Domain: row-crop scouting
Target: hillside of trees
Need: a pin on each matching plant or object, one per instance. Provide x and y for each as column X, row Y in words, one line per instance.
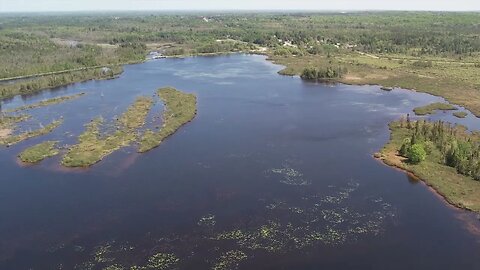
column 36, row 43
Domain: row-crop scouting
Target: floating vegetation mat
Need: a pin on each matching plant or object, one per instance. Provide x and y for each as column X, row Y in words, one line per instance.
column 288, row 176
column 320, row 219
column 303, row 220
column 230, row 260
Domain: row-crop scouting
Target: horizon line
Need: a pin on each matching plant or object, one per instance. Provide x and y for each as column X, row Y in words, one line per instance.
column 238, row 10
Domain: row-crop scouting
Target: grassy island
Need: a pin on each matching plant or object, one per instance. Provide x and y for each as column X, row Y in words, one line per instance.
column 92, row 146
column 460, row 114
column 47, row 102
column 433, row 107
column 7, row 123
column 13, row 139
column 446, row 157
column 39, row 152
column 180, row 108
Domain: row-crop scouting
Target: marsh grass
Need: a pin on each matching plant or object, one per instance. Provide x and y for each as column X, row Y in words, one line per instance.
column 39, row 152
column 433, row 107
column 13, row 139
column 8, row 121
column 455, row 80
column 180, row 108
column 92, row 146
column 46, row 102
column 460, row 114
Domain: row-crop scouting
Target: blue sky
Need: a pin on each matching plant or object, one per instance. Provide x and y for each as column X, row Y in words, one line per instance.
column 83, row 5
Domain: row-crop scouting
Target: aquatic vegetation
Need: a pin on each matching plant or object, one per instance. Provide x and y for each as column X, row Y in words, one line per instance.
column 85, row 266
column 207, row 221
column 322, row 219
column 7, row 123
column 431, row 108
column 460, row 114
column 39, row 152
column 180, row 108
column 162, row 261
column 13, row 139
column 93, row 147
column 230, row 235
column 102, row 253
column 136, row 114
column 286, row 225
column 230, row 260
column 289, row 176
column 46, row 102
column 114, row 267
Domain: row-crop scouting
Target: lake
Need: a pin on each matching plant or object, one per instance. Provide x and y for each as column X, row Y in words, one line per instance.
column 273, row 173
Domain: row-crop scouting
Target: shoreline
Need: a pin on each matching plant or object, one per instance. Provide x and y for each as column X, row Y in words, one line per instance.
column 429, row 186
column 457, row 190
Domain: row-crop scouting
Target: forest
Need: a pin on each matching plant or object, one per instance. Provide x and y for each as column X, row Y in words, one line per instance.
column 434, row 52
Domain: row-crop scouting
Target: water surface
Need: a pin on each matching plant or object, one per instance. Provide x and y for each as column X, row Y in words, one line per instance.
column 273, row 168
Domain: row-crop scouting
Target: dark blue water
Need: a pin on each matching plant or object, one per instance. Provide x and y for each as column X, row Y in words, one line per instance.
column 273, row 173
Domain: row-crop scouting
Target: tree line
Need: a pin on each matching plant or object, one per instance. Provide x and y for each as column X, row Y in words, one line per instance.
column 456, row 146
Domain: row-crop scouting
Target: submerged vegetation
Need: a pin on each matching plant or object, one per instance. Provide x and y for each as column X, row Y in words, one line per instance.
column 46, row 102
column 433, row 107
column 39, row 152
column 93, row 146
column 180, row 108
column 445, row 156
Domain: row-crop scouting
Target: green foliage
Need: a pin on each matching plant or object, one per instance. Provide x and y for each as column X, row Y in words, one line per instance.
column 14, row 139
column 416, row 153
column 450, row 145
column 458, row 189
column 29, row 86
column 422, row 64
column 39, row 152
column 93, row 146
column 431, row 108
column 405, row 149
column 180, row 108
column 319, row 74
column 460, row 114
column 46, row 102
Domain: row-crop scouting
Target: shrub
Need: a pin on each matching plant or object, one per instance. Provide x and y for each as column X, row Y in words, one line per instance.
column 416, row 154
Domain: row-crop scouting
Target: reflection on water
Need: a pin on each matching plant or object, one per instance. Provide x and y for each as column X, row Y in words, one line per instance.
column 273, row 173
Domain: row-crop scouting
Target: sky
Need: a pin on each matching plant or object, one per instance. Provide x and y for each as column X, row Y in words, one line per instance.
column 151, row 5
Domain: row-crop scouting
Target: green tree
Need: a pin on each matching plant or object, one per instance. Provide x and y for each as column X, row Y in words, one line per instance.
column 417, row 154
